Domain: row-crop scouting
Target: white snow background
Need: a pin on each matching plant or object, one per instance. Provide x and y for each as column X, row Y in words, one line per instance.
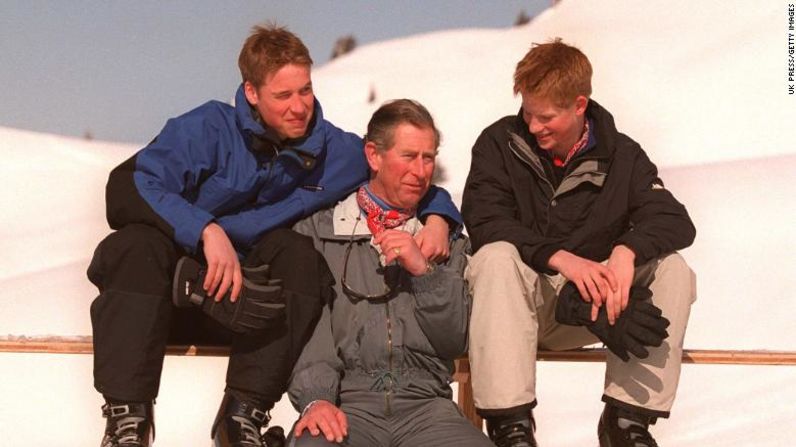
column 701, row 85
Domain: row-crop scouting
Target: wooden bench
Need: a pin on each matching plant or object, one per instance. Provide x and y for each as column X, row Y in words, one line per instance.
column 83, row 345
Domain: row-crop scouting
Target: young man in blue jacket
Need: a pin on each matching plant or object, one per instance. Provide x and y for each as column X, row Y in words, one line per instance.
column 573, row 230
column 222, row 184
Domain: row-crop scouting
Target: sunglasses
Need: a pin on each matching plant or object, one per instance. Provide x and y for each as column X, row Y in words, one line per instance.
column 350, row 290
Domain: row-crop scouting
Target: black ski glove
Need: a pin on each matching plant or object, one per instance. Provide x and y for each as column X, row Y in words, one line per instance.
column 641, row 324
column 260, row 303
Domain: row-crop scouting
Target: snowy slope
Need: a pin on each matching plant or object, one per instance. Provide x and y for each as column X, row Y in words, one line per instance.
column 693, row 82
column 698, row 84
column 53, row 216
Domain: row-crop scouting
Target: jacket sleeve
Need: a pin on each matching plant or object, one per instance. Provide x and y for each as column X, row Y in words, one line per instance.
column 316, row 375
column 489, row 204
column 337, row 174
column 438, row 201
column 442, row 304
column 149, row 188
column 659, row 224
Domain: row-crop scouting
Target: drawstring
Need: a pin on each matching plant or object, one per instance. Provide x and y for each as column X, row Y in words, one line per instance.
column 386, row 381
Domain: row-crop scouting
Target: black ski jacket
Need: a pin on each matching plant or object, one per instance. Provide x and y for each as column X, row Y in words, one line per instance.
column 609, row 195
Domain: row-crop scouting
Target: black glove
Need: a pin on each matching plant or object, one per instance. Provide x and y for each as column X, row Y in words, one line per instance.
column 260, row 303
column 640, row 324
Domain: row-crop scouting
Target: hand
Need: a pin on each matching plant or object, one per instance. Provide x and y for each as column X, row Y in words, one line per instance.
column 433, row 239
column 324, row 417
column 593, row 280
column 621, row 263
column 640, row 326
column 223, row 267
column 397, row 244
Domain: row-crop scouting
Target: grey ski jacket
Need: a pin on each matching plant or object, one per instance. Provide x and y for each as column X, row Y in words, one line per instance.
column 402, row 344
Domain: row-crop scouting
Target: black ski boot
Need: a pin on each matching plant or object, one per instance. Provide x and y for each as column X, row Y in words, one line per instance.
column 620, row 427
column 128, row 424
column 512, row 431
column 238, row 424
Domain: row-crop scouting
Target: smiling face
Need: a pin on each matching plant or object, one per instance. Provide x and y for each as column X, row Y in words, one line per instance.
column 401, row 175
column 556, row 128
column 284, row 100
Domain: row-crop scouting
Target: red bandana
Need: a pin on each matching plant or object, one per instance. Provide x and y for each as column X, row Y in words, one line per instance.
column 576, row 148
column 378, row 218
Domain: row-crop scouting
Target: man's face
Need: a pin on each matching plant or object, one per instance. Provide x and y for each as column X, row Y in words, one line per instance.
column 401, row 175
column 284, row 100
column 556, row 128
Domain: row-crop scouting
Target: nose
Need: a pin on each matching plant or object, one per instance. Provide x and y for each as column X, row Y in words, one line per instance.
column 297, row 106
column 419, row 169
column 534, row 126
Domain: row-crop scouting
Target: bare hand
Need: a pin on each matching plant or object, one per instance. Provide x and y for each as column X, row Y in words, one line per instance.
column 621, row 263
column 400, row 245
column 324, row 417
column 594, row 281
column 433, row 239
column 223, row 267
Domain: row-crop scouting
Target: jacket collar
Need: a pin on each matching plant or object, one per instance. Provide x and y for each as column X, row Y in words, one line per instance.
column 347, row 219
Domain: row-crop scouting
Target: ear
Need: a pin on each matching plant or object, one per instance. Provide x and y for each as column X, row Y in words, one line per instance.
column 581, row 102
column 251, row 93
column 373, row 156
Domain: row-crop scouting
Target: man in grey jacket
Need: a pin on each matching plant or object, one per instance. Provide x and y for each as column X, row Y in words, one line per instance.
column 377, row 369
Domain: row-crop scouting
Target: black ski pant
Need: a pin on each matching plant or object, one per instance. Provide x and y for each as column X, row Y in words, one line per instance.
column 133, row 318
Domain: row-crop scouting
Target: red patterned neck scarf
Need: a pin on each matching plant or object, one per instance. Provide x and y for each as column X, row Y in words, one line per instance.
column 579, row 145
column 378, row 218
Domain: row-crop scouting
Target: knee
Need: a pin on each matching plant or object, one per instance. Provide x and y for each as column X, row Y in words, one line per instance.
column 498, row 258
column 673, row 274
column 307, row 440
column 140, row 241
column 135, row 254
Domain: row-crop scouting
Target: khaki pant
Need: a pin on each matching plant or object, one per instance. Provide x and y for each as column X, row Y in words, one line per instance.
column 514, row 315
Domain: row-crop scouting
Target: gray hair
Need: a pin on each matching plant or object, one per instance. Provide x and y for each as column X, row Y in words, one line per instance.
column 381, row 128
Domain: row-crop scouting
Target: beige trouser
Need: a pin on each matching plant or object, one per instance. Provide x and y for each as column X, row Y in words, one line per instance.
column 514, row 315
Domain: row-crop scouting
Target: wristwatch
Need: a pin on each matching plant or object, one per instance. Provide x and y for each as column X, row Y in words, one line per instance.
column 430, row 267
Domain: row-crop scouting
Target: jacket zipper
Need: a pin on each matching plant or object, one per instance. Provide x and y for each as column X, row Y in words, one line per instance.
column 388, row 394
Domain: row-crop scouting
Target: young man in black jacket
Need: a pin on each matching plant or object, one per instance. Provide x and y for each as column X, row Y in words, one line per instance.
column 557, row 197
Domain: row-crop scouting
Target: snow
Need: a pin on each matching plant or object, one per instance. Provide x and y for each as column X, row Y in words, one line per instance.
column 701, row 85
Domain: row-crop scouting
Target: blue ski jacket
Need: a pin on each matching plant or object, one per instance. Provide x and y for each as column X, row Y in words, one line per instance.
column 218, row 163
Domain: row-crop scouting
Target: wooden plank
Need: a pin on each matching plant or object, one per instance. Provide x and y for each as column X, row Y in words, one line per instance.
column 82, row 345
column 693, row 356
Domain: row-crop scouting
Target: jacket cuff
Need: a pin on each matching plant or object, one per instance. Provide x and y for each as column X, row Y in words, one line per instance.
column 189, row 234
column 429, row 281
column 634, row 244
column 538, row 259
column 316, row 395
